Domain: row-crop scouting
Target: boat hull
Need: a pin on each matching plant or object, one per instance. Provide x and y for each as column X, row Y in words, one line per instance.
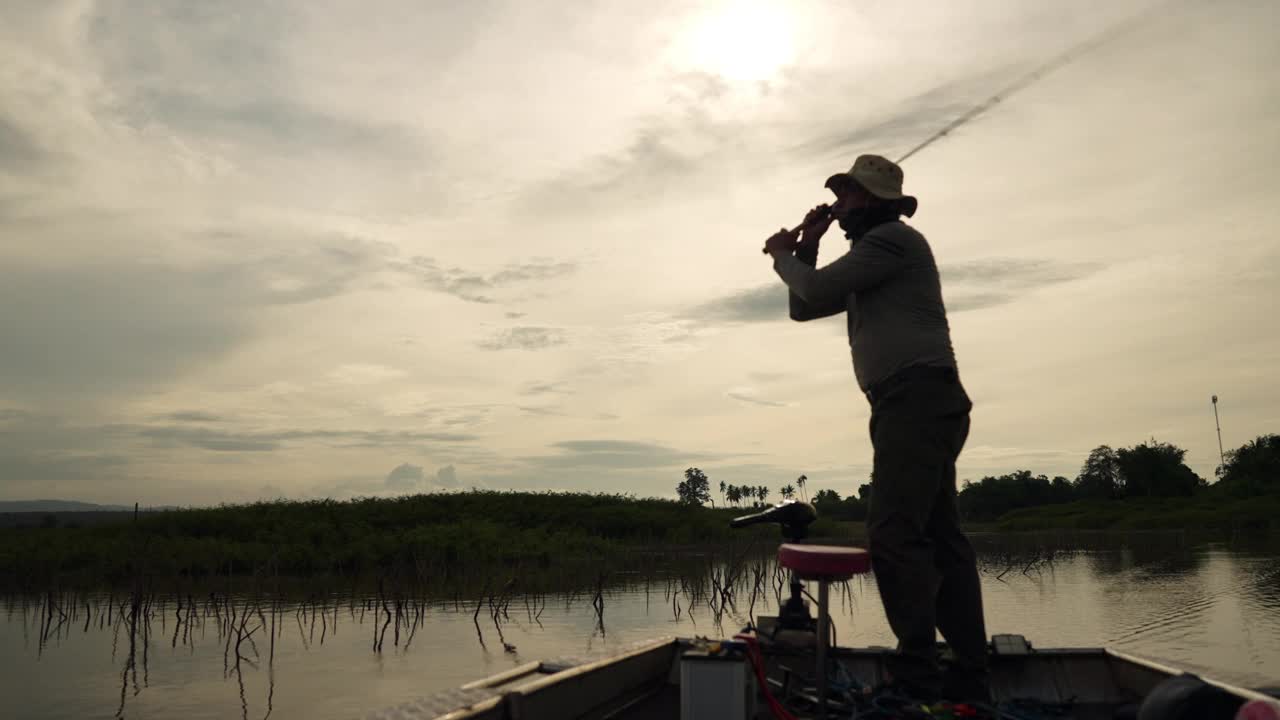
column 641, row 681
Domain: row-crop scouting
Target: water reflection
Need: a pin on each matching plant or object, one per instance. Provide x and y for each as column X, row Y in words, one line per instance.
column 264, row 649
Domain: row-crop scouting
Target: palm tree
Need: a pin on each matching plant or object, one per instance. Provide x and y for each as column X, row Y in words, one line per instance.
column 788, row 492
column 804, row 494
column 763, row 493
column 722, row 498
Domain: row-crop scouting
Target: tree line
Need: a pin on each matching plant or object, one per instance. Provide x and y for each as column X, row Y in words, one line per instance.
column 1148, row 470
column 695, row 489
column 1151, row 469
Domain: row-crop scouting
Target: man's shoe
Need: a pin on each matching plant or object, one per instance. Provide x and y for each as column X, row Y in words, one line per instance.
column 908, row 693
column 967, row 688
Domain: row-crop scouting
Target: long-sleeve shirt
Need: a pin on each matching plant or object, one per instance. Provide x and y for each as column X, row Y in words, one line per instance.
column 889, row 287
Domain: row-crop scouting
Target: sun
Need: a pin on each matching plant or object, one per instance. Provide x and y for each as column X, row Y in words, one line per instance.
column 739, row 40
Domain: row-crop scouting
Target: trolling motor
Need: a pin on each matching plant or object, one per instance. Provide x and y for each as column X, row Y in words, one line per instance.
column 795, row 517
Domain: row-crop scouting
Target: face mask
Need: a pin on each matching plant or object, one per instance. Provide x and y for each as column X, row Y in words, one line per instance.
column 853, row 223
column 857, row 222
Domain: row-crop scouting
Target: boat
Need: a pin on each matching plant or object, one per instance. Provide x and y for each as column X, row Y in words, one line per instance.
column 660, row 678
column 771, row 670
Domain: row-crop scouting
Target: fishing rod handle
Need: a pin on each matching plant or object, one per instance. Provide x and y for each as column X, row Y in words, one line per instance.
column 796, row 230
column 793, row 231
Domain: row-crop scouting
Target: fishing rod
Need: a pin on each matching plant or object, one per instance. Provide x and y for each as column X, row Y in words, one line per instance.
column 1022, row 82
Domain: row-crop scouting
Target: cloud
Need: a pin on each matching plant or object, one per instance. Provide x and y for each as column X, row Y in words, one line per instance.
column 645, row 338
column 365, row 373
column 750, row 395
column 116, row 326
column 205, row 439
column 991, row 459
column 18, row 466
column 650, row 156
column 623, row 446
column 194, row 416
column 613, row 454
column 457, row 282
column 228, row 441
column 964, row 302
column 556, row 388
column 990, row 282
column 270, row 492
column 543, row 411
column 524, row 338
column 765, row 303
column 405, row 477
column 285, row 125
column 702, row 132
column 1016, row 273
column 224, row 77
column 80, row 331
column 966, row 286
column 473, row 287
column 542, row 269
column 19, row 150
column 447, row 477
column 37, row 448
column 658, row 157
column 905, row 122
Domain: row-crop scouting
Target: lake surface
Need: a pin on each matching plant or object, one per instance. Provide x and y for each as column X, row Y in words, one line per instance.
column 1209, row 607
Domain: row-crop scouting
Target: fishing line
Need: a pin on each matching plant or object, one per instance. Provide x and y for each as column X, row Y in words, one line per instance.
column 1038, row 73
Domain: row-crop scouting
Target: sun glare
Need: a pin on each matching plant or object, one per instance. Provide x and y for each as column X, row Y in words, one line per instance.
column 740, row 40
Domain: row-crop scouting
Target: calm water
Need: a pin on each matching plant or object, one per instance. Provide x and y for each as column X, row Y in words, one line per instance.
column 1208, row 607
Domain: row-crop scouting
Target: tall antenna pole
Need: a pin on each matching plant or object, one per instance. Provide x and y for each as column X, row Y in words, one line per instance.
column 1221, row 456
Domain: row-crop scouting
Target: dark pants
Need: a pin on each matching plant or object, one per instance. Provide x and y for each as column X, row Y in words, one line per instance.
column 924, row 566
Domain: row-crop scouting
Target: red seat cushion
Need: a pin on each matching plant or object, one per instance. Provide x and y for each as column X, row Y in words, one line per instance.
column 829, row 562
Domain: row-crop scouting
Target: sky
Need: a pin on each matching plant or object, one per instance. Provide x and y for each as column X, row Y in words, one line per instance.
column 333, row 249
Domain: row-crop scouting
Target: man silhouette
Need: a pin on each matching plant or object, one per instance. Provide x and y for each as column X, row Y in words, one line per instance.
column 903, row 360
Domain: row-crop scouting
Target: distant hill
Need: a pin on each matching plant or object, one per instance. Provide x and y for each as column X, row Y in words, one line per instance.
column 12, row 506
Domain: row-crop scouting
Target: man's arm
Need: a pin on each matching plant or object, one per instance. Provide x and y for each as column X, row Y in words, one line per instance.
column 802, row 311
column 868, row 263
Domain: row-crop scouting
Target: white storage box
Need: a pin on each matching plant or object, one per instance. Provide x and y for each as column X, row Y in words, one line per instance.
column 717, row 685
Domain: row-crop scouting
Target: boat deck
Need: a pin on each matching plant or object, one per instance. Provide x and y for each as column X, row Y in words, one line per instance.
column 663, row 703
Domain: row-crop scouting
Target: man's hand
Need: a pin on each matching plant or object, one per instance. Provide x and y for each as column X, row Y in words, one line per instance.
column 815, row 224
column 784, row 241
column 812, row 229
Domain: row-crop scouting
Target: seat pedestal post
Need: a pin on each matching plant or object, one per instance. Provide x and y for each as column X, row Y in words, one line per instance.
column 824, row 618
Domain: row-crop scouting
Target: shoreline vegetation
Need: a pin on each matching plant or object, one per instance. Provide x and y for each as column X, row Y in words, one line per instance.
column 447, row 537
column 450, row 537
column 438, row 537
